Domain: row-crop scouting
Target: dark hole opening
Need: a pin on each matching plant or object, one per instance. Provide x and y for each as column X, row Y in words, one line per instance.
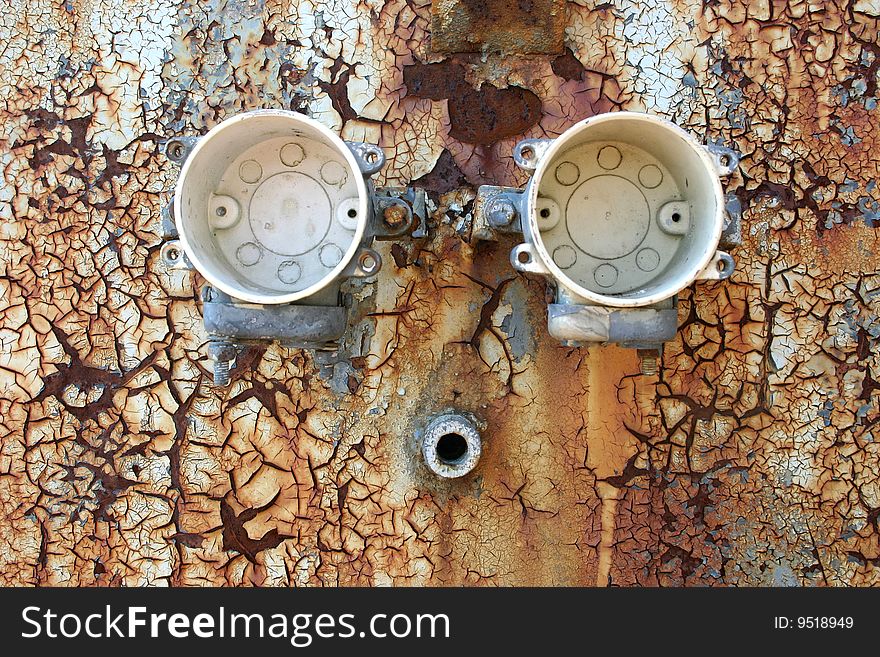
column 676, row 217
column 352, row 213
column 545, row 212
column 451, row 448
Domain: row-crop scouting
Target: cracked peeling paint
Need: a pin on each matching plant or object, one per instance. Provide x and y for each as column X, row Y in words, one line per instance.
column 750, row 458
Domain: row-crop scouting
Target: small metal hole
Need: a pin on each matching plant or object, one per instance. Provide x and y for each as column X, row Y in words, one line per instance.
column 676, row 217
column 371, row 157
column 724, row 160
column 221, row 211
column 175, row 150
column 545, row 212
column 721, row 266
column 524, row 257
column 451, row 448
column 172, row 254
column 527, row 152
column 352, row 213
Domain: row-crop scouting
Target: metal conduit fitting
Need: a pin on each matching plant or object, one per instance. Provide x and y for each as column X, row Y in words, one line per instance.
column 451, row 445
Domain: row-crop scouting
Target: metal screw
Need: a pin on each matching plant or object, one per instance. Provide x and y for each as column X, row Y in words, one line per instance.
column 648, row 361
column 395, row 216
column 222, row 353
column 500, row 212
column 221, row 372
column 175, row 150
column 368, row 263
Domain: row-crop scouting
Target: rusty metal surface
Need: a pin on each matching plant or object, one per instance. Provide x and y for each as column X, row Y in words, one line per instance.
column 750, row 458
column 498, row 26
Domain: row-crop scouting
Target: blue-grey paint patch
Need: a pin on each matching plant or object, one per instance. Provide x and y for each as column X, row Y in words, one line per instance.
column 733, row 206
column 870, row 209
column 517, row 325
column 356, row 341
column 338, row 382
column 848, row 136
column 849, row 185
column 833, row 218
column 731, row 98
column 859, row 86
column 783, row 575
column 786, row 477
column 825, row 412
column 229, row 71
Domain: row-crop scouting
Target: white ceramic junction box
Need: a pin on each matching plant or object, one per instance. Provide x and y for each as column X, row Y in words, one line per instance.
column 271, row 207
column 621, row 213
column 623, row 210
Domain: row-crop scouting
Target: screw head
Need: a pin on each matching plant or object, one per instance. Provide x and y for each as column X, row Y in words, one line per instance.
column 500, row 212
column 222, row 352
column 174, row 150
column 395, row 216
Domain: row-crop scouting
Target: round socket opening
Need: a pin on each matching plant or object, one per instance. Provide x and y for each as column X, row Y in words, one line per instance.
column 271, row 206
column 641, row 209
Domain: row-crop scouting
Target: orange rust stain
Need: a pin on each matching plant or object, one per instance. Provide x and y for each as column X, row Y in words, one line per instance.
column 609, row 496
column 609, row 413
column 498, row 26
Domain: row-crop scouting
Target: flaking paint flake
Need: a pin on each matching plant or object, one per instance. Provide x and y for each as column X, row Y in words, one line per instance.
column 751, row 458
